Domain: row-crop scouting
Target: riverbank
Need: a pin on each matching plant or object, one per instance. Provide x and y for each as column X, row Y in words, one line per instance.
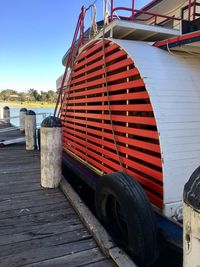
column 28, row 105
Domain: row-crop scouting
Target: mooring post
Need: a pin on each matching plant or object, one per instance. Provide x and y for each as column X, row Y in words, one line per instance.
column 51, row 152
column 191, row 221
column 6, row 114
column 30, row 130
column 1, row 112
column 22, row 114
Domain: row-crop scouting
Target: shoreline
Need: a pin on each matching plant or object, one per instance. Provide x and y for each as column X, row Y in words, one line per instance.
column 11, row 104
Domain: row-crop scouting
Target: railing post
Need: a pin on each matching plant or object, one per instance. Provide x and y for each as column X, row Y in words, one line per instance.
column 191, row 221
column 30, row 130
column 51, row 152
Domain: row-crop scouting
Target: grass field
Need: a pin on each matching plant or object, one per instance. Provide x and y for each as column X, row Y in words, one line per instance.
column 26, row 104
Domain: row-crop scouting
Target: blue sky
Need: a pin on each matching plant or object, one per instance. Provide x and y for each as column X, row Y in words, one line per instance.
column 34, row 35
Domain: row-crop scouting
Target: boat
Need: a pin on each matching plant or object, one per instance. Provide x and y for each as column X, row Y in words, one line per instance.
column 129, row 102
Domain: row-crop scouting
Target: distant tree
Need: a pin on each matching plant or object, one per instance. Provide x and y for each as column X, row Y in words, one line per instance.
column 51, row 96
column 33, row 94
column 43, row 96
column 6, row 94
column 22, row 96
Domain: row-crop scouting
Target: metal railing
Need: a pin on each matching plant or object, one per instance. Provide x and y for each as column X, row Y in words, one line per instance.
column 191, row 7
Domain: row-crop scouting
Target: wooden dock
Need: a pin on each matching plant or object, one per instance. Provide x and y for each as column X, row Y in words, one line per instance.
column 38, row 227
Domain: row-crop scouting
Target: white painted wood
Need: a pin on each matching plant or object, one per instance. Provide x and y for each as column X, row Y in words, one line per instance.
column 191, row 237
column 137, row 31
column 173, row 83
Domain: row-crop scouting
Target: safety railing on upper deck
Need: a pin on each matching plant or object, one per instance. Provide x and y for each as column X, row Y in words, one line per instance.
column 150, row 17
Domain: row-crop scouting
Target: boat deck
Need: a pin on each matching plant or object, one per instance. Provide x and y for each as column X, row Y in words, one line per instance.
column 38, row 227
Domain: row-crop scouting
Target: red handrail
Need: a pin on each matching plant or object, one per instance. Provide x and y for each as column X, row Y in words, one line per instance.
column 137, row 12
column 79, row 28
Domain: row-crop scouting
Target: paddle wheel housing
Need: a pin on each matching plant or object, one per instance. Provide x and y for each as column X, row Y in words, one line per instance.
column 147, row 110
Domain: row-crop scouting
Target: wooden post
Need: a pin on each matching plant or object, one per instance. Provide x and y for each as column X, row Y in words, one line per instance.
column 51, row 152
column 22, row 114
column 1, row 112
column 6, row 114
column 191, row 221
column 30, row 130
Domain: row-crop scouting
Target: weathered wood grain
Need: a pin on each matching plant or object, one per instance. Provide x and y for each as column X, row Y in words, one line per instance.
column 38, row 227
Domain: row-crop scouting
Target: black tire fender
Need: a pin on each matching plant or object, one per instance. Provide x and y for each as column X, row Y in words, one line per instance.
column 134, row 211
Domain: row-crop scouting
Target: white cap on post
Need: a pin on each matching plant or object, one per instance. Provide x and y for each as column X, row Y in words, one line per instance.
column 51, row 152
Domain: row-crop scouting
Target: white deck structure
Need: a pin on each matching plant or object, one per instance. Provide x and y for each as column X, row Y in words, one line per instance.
column 173, row 83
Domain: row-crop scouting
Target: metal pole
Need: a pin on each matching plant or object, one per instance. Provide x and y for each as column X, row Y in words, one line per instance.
column 111, row 7
column 194, row 9
column 133, row 8
column 189, row 9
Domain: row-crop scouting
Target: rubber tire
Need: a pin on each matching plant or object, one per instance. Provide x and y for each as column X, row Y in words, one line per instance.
column 142, row 243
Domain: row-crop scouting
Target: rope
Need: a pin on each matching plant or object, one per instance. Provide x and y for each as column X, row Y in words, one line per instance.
column 109, row 105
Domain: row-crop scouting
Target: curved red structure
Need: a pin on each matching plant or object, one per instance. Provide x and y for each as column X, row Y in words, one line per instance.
column 95, row 104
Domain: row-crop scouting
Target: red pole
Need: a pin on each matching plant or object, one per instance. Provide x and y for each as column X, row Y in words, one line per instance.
column 82, row 25
column 189, row 9
column 133, row 8
column 111, row 7
column 194, row 9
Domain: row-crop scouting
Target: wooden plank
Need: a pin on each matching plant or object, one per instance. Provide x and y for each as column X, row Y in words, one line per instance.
column 30, row 227
column 24, row 211
column 37, row 225
column 57, row 248
column 101, row 263
column 77, row 259
column 14, row 204
column 38, row 232
column 40, row 217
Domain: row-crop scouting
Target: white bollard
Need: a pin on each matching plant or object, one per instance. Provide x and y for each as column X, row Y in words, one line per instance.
column 30, row 130
column 191, row 221
column 6, row 114
column 22, row 114
column 51, row 152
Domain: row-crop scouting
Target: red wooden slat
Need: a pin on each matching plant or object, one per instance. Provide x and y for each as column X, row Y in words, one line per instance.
column 119, row 118
column 98, row 63
column 97, row 56
column 119, row 97
column 90, row 44
column 132, row 107
column 125, row 140
column 90, row 149
column 123, row 129
column 93, row 49
column 113, row 88
column 116, row 66
column 115, row 77
column 89, row 159
column 125, row 150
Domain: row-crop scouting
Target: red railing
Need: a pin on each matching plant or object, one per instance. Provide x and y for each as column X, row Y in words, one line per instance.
column 79, row 31
column 135, row 13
